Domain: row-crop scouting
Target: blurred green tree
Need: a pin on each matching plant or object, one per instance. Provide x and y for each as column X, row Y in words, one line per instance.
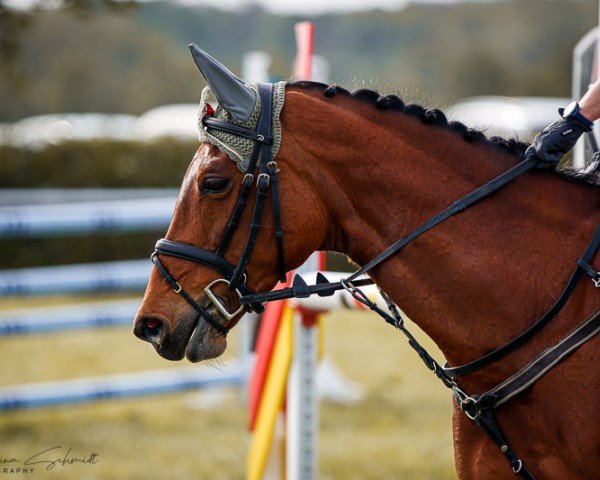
column 74, row 59
column 14, row 23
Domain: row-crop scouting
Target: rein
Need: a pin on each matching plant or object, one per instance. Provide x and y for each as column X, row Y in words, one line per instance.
column 479, row 408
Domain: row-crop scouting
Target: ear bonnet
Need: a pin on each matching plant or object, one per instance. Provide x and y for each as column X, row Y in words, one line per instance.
column 237, row 103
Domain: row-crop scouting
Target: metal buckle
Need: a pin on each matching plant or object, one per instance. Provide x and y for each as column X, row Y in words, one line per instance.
column 178, row 289
column 215, row 300
column 260, row 177
column 596, row 282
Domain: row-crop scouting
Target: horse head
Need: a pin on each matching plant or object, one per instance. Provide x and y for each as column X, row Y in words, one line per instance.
column 229, row 202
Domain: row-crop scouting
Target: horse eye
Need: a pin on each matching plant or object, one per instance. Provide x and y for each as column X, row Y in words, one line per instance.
column 214, row 184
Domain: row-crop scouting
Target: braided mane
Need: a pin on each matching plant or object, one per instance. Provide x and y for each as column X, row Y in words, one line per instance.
column 436, row 117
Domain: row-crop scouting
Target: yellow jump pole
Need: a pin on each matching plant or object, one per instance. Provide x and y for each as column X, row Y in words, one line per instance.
column 271, row 402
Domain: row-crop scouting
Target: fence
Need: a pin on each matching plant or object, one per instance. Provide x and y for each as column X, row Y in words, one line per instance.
column 297, row 378
column 74, row 219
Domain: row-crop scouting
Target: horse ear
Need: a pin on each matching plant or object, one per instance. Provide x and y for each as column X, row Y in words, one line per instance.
column 235, row 97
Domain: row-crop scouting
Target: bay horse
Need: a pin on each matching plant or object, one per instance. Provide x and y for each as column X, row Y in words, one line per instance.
column 355, row 172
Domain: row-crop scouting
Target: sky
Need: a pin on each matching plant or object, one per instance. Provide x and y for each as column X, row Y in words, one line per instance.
column 284, row 6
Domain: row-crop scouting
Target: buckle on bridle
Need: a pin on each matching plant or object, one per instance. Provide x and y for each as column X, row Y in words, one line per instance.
column 217, row 303
column 263, row 180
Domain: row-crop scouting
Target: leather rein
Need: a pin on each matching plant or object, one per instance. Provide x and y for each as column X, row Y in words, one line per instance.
column 479, row 408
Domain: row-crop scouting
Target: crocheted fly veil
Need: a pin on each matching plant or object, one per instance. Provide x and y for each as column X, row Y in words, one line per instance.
column 237, row 103
column 239, row 148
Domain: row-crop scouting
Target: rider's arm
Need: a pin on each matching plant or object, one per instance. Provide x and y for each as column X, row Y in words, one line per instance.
column 589, row 105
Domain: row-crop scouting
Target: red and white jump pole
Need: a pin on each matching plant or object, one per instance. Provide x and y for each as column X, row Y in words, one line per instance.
column 283, row 397
column 284, row 446
column 302, row 397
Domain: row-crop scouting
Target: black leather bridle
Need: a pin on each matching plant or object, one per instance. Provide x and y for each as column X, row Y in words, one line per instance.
column 478, row 408
column 235, row 277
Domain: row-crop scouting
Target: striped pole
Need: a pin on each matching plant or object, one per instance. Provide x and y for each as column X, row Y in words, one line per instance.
column 285, row 365
column 78, row 278
column 67, row 317
column 84, row 218
column 302, row 420
column 151, row 382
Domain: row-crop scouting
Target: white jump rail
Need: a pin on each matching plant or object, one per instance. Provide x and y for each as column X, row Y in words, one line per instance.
column 35, row 320
column 84, row 218
column 78, row 278
column 81, row 390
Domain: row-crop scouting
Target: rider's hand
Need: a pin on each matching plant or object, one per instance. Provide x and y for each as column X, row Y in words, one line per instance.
column 558, row 138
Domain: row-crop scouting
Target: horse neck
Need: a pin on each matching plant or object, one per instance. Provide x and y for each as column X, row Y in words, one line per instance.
column 468, row 282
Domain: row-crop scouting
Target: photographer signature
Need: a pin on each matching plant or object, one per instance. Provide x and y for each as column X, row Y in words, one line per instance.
column 49, row 459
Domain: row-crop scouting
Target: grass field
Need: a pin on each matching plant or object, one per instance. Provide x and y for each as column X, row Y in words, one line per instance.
column 400, row 430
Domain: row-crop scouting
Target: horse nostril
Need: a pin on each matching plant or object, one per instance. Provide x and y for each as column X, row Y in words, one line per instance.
column 149, row 329
column 153, row 324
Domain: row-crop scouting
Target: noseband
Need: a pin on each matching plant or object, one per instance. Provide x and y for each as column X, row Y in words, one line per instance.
column 235, row 277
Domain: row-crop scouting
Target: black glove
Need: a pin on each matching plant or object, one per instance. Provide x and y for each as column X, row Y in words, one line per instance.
column 557, row 139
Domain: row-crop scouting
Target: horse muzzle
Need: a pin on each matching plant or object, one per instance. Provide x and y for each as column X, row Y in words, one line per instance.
column 191, row 337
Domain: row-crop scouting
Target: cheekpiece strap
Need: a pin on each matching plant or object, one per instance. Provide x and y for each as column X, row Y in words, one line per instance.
column 260, row 150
